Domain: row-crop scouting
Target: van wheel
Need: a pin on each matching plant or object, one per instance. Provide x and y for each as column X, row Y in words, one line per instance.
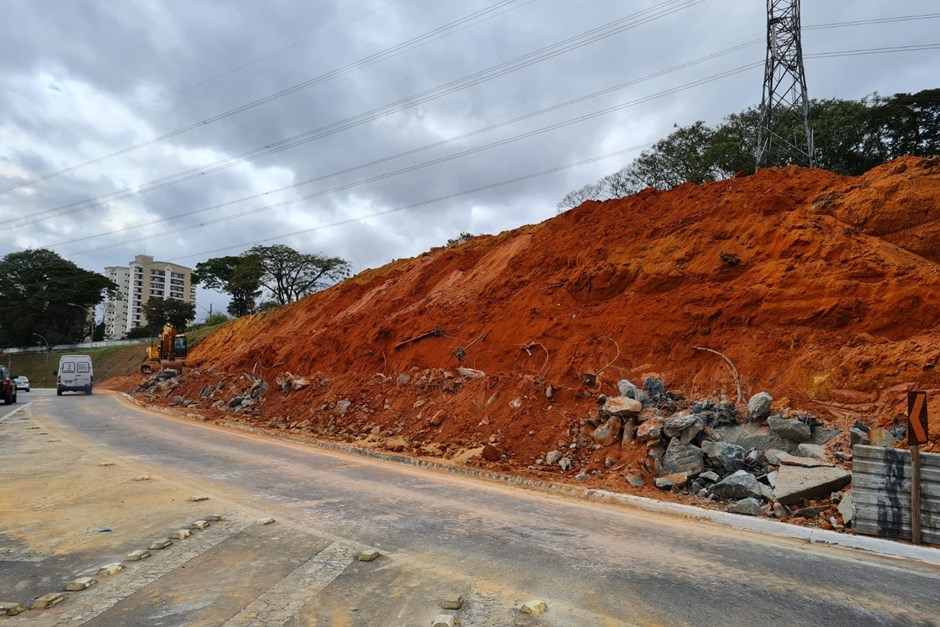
column 58, row 391
column 88, row 390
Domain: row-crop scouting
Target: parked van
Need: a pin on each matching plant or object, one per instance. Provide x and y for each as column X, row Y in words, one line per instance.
column 75, row 374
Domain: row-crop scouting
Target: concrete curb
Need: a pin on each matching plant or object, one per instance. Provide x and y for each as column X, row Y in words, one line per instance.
column 773, row 528
column 16, row 411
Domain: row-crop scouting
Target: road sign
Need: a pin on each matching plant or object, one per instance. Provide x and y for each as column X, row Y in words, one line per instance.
column 916, row 418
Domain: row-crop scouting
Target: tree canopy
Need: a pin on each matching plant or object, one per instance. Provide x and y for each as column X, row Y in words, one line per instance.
column 42, row 293
column 280, row 271
column 850, row 136
column 158, row 311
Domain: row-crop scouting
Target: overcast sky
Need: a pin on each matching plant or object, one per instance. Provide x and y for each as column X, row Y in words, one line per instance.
column 218, row 110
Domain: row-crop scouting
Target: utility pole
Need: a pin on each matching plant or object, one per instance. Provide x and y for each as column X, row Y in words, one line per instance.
column 785, row 136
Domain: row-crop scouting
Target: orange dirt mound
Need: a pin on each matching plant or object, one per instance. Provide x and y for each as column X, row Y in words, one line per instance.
column 822, row 290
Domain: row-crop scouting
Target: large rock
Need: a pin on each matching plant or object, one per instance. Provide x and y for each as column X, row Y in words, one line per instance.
column 806, row 449
column 631, row 391
column 758, row 407
column 491, row 453
column 670, row 481
column 731, row 456
column 748, row 507
column 683, row 458
column 739, row 485
column 622, row 406
column 789, row 428
column 821, row 435
column 610, row 432
column 795, row 483
column 552, row 457
column 750, row 435
column 847, row 508
column 677, row 423
column 805, row 462
column 649, row 430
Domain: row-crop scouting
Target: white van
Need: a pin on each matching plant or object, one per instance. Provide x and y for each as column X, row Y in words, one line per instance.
column 75, row 374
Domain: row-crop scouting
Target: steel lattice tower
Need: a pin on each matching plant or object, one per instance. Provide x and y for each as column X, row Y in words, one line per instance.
column 785, row 135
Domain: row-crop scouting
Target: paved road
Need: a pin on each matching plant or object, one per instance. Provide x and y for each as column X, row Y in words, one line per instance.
column 498, row 547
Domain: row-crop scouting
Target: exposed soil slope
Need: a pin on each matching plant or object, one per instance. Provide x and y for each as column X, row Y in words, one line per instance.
column 823, row 290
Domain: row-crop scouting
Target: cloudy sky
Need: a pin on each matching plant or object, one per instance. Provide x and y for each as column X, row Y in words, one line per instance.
column 373, row 129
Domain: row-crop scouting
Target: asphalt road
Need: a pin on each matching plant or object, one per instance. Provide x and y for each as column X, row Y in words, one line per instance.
column 497, row 546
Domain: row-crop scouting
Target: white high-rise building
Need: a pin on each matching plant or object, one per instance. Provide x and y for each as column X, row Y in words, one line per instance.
column 137, row 282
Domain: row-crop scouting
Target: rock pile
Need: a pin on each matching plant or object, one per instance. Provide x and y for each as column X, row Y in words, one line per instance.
column 760, row 463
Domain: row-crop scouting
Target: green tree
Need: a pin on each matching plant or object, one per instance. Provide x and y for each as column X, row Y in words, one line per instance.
column 237, row 276
column 38, row 291
column 290, row 275
column 159, row 311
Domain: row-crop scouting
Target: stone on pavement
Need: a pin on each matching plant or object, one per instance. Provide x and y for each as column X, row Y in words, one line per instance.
column 82, row 583
column 452, row 602
column 159, row 544
column 48, row 600
column 136, row 556
column 758, row 407
column 181, row 534
column 214, row 517
column 795, row 483
column 10, row 608
column 789, row 428
column 110, row 569
column 444, row 620
column 265, row 521
column 738, row 485
column 199, row 524
column 197, row 499
column 748, row 507
column 534, row 608
column 368, row 556
column 683, row 458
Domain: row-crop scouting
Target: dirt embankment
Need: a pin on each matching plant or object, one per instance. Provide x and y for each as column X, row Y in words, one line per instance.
column 823, row 290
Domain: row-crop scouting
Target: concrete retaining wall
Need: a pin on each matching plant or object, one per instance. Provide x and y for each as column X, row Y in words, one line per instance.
column 881, row 488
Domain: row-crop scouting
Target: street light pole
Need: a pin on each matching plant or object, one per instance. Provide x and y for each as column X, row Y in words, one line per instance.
column 45, row 375
column 91, row 338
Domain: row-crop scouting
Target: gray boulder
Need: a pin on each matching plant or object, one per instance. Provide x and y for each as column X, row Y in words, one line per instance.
column 750, row 435
column 609, row 432
column 635, row 480
column 683, row 458
column 731, row 456
column 565, row 464
column 649, row 430
column 811, row 450
column 789, row 428
column 669, row 482
column 738, row 485
column 631, row 391
column 821, row 435
column 677, row 423
column 758, row 407
column 748, row 507
column 552, row 457
column 795, row 483
column 847, row 508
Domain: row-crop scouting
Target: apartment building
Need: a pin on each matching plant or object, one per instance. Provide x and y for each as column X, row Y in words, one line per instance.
column 137, row 282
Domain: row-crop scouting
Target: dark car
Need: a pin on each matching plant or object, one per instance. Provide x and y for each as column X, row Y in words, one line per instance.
column 7, row 386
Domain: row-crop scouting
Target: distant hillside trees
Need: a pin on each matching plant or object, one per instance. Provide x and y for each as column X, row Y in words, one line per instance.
column 280, row 271
column 42, row 293
column 851, row 137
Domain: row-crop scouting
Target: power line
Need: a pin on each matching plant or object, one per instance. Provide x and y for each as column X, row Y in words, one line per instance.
column 422, row 203
column 411, row 101
column 410, row 44
column 426, row 147
column 432, row 162
column 469, row 151
column 588, row 37
column 238, row 68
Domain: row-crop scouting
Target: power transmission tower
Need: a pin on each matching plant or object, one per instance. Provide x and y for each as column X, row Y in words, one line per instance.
column 785, row 136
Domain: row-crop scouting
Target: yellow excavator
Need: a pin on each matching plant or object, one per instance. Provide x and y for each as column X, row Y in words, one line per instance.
column 170, row 352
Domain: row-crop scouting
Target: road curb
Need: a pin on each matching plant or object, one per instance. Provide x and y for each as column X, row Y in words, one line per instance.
column 15, row 411
column 773, row 528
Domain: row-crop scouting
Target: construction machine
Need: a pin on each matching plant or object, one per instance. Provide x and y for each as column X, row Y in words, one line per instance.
column 169, row 353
